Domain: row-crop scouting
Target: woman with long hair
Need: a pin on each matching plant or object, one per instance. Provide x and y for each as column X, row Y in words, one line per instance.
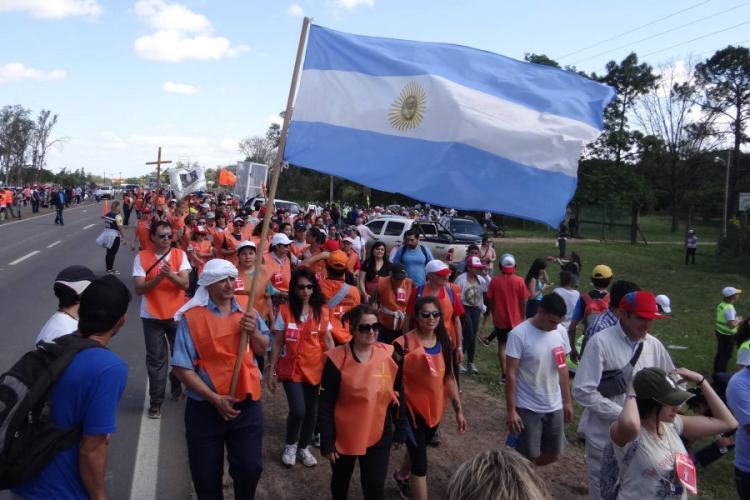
column 302, row 334
column 357, row 392
column 425, row 359
column 536, row 281
column 376, row 266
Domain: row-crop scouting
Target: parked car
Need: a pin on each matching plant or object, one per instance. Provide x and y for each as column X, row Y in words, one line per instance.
column 258, row 201
column 104, row 192
column 463, row 226
column 442, row 244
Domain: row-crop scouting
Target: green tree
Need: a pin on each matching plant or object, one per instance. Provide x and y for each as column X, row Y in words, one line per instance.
column 16, row 133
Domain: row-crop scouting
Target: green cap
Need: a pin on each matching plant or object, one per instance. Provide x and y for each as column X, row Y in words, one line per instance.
column 654, row 383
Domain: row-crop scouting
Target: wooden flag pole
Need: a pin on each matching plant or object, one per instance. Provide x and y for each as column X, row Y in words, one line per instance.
column 275, row 171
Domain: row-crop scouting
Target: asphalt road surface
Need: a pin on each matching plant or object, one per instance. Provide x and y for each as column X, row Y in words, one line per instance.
column 147, row 458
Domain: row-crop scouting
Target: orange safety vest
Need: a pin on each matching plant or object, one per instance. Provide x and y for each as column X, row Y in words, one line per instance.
column 298, row 251
column 201, row 247
column 446, row 307
column 144, row 238
column 303, row 353
column 280, row 273
column 393, row 302
column 330, row 289
column 232, row 245
column 163, row 300
column 216, row 339
column 244, row 283
column 423, row 378
column 365, row 393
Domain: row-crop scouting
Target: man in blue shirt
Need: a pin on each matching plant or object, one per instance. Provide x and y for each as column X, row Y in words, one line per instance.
column 738, row 398
column 414, row 256
column 87, row 395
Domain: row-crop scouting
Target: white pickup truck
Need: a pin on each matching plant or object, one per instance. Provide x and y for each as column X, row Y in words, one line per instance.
column 441, row 242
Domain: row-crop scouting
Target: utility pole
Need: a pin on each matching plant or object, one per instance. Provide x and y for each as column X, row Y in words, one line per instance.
column 726, row 193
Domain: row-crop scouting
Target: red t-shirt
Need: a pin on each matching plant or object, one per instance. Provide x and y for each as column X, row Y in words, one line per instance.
column 507, row 293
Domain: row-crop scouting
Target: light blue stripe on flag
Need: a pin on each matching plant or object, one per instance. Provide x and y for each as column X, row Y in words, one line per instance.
column 542, row 88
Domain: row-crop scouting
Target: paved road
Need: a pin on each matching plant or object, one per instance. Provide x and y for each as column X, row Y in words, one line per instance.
column 33, row 251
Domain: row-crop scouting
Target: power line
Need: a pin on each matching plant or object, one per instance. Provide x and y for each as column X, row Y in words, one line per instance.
column 696, row 39
column 662, row 33
column 635, row 29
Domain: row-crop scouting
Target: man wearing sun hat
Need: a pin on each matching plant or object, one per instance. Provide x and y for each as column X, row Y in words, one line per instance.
column 68, row 287
column 622, row 349
column 726, row 324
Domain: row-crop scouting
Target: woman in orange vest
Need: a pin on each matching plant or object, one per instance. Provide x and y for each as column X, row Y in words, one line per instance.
column 426, row 371
column 209, row 331
column 278, row 265
column 232, row 239
column 246, row 254
column 357, row 391
column 302, row 333
column 393, row 294
column 200, row 249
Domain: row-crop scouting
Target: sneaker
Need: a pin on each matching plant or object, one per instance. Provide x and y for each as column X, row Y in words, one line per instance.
column 473, row 368
column 289, row 457
column 316, row 440
column 462, row 368
column 403, row 486
column 308, row 460
column 154, row 411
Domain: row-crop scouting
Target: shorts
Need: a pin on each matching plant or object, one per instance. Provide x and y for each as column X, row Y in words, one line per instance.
column 542, row 433
column 501, row 334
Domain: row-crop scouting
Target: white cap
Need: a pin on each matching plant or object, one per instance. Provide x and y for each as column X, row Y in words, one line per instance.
column 474, row 262
column 350, row 240
column 507, row 260
column 664, row 304
column 438, row 267
column 280, row 239
column 246, row 244
column 729, row 291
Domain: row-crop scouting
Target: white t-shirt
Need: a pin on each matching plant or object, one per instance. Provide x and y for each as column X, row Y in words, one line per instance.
column 538, row 381
column 730, row 314
column 571, row 299
column 653, row 460
column 471, row 292
column 138, row 271
column 57, row 325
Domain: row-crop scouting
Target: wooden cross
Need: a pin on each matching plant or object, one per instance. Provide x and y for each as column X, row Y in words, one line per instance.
column 158, row 164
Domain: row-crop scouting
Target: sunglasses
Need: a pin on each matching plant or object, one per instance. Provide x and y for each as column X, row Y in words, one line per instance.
column 305, row 287
column 362, row 328
column 430, row 314
column 166, row 236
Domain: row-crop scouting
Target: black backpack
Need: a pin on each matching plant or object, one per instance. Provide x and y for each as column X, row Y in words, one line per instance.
column 28, row 437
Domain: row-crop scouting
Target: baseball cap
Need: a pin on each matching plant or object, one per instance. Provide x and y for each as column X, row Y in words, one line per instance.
column 654, row 383
column 350, row 240
column 337, row 259
column 507, row 263
column 728, row 291
column 331, row 245
column 397, row 270
column 664, row 304
column 238, row 218
column 641, row 303
column 474, row 262
column 280, row 239
column 77, row 278
column 601, row 271
column 438, row 267
column 300, row 226
column 246, row 244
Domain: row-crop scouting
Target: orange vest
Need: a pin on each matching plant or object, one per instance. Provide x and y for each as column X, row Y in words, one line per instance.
column 298, row 251
column 144, row 238
column 423, row 379
column 232, row 244
column 244, row 283
column 280, row 274
column 392, row 302
column 178, row 224
column 353, row 261
column 216, row 339
column 365, row 393
column 163, row 300
column 201, row 247
column 330, row 289
column 446, row 307
column 303, row 353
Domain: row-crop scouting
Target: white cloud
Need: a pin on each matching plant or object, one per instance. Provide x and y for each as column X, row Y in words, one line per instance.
column 13, row 72
column 180, row 34
column 353, row 4
column 296, row 10
column 52, row 9
column 179, row 88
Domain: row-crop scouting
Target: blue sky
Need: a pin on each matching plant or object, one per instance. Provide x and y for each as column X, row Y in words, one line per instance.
column 196, row 76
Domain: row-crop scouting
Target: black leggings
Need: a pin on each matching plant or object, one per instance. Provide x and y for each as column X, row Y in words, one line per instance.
column 416, row 444
column 471, row 320
column 373, row 468
column 303, row 412
column 742, row 480
column 724, row 348
column 109, row 259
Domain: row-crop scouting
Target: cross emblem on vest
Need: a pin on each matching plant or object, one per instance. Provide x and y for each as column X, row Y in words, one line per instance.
column 384, row 377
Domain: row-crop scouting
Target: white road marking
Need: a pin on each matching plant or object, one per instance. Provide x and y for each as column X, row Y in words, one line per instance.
column 86, row 227
column 147, row 456
column 21, row 259
column 53, row 244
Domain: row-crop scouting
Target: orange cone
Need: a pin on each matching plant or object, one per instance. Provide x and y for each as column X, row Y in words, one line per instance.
column 105, row 207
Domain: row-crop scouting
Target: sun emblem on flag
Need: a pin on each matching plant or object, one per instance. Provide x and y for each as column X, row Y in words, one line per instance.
column 407, row 111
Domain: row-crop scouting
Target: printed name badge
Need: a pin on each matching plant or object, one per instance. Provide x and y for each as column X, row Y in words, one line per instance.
column 292, row 332
column 277, row 279
column 400, row 295
column 239, row 284
column 559, row 354
column 685, row 470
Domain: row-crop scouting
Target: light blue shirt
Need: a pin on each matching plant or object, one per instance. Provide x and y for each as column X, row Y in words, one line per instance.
column 185, row 355
column 738, row 397
column 414, row 262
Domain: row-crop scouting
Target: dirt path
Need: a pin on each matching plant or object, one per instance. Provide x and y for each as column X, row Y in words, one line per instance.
column 485, row 415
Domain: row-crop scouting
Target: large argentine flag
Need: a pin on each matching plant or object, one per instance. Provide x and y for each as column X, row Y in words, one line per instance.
column 444, row 124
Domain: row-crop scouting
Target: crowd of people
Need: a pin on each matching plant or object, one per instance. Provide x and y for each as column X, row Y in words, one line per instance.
column 370, row 347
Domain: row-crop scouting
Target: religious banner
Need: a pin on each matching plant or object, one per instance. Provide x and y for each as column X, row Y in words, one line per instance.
column 185, row 180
